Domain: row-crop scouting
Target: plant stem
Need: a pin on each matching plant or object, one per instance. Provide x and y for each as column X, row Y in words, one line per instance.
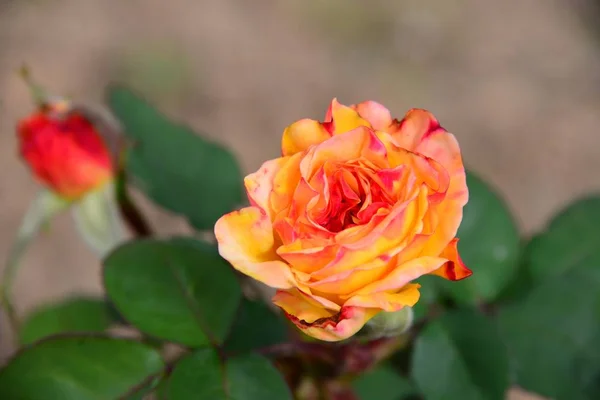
column 8, row 277
column 45, row 206
column 129, row 211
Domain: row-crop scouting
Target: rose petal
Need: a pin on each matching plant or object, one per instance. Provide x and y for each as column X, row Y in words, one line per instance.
column 417, row 126
column 388, row 301
column 303, row 306
column 301, row 135
column 341, row 118
column 259, row 185
column 393, row 180
column 307, row 197
column 420, row 132
column 376, row 114
column 349, row 281
column 454, row 269
column 403, row 274
column 383, row 234
column 285, row 182
column 425, row 169
column 302, row 256
column 359, row 143
column 246, row 240
column 337, row 327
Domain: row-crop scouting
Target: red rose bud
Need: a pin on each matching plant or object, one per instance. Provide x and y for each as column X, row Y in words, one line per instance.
column 64, row 150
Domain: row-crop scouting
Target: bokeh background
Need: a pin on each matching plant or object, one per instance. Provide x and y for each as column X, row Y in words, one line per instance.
column 517, row 81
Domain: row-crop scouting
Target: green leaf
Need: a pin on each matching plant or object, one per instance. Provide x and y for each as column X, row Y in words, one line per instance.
column 174, row 166
column 571, row 239
column 98, row 221
column 256, row 326
column 174, row 290
column 382, row 383
column 489, row 245
column 461, row 356
column 253, row 377
column 198, row 375
column 249, row 377
column 553, row 335
column 144, row 391
column 521, row 283
column 73, row 315
column 79, row 368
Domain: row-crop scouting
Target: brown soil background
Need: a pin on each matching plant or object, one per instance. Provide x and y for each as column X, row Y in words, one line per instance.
column 516, row 81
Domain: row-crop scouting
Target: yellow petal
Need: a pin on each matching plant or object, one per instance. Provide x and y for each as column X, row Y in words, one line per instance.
column 388, row 301
column 307, row 258
column 403, row 274
column 359, row 143
column 284, row 183
column 304, row 307
column 246, row 240
column 259, row 185
column 301, row 135
column 339, row 326
column 343, row 118
column 383, row 237
column 349, row 281
column 420, row 132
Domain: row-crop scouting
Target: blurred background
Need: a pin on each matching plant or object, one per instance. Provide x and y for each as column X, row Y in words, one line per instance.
column 517, row 81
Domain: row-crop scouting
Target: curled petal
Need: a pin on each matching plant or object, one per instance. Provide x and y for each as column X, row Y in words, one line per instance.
column 417, row 126
column 259, row 184
column 421, row 133
column 393, row 180
column 376, row 114
column 304, row 307
column 349, row 281
column 360, row 143
column 454, row 269
column 284, row 184
column 246, row 240
column 447, row 215
column 383, row 237
column 339, row 326
column 341, row 118
column 301, row 135
column 403, row 274
column 306, row 258
column 388, row 301
column 305, row 196
column 271, row 187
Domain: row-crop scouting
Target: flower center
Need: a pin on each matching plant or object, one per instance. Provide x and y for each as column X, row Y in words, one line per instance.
column 354, row 197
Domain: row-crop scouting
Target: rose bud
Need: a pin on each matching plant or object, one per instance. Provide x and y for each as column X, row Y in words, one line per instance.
column 64, row 150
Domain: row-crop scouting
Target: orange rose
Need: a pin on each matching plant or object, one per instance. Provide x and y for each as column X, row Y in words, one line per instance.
column 64, row 151
column 357, row 208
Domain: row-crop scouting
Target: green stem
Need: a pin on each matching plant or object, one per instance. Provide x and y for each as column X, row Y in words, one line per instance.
column 8, row 277
column 37, row 92
column 45, row 206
